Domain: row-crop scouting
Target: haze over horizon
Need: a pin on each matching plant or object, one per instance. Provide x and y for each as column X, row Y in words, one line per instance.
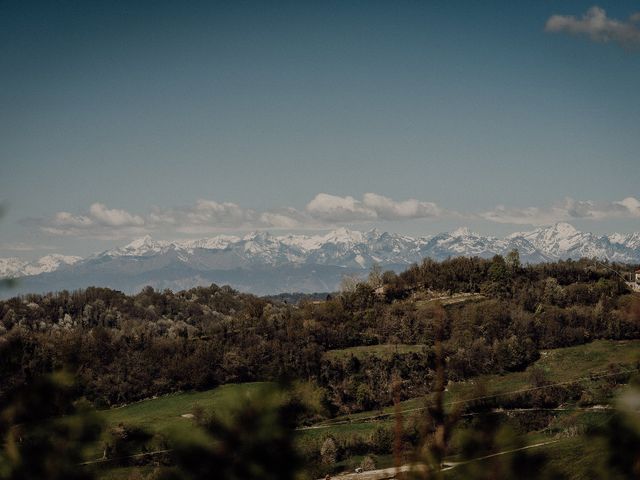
column 123, row 120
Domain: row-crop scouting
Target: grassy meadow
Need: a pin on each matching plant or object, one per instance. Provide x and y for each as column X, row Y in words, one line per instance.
column 169, row 415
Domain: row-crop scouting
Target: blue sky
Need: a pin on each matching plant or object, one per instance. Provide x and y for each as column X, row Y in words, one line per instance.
column 174, row 119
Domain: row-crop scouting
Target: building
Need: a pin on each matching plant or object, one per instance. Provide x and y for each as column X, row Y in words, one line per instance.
column 633, row 280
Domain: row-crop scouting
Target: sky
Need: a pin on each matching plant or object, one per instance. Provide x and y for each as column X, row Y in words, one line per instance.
column 189, row 119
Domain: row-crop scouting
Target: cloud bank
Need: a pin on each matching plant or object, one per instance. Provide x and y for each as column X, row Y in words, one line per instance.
column 99, row 222
column 323, row 211
column 598, row 27
column 209, row 216
column 566, row 210
column 331, row 208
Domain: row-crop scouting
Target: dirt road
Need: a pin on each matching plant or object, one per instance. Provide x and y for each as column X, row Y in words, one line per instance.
column 390, row 473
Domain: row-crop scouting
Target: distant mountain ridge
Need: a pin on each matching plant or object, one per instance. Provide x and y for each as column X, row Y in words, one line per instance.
column 15, row 267
column 263, row 263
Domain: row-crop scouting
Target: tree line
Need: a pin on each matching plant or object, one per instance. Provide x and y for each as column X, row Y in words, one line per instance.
column 124, row 348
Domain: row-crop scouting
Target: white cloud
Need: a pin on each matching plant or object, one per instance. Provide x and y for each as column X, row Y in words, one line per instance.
column 114, row 217
column 566, row 210
column 331, row 208
column 598, row 27
column 388, row 209
column 209, row 216
column 281, row 220
column 202, row 215
column 98, row 222
column 324, row 210
column 66, row 219
column 335, row 209
column 631, row 204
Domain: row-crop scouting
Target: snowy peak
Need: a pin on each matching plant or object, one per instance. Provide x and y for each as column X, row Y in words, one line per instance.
column 631, row 240
column 564, row 229
column 561, row 229
column 562, row 240
column 557, row 239
column 462, row 232
column 10, row 267
column 258, row 236
column 219, row 242
column 618, row 238
column 344, row 236
column 14, row 267
column 139, row 247
column 49, row 263
column 144, row 242
column 343, row 248
column 305, row 243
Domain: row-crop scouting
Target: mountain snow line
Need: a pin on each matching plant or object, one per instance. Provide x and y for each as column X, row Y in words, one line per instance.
column 379, row 416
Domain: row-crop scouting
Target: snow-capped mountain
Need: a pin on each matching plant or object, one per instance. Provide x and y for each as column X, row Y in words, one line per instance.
column 140, row 247
column 15, row 267
column 264, row 263
column 341, row 247
column 463, row 242
column 563, row 241
column 11, row 267
column 631, row 240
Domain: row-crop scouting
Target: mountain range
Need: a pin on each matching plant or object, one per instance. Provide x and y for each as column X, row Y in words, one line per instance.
column 263, row 263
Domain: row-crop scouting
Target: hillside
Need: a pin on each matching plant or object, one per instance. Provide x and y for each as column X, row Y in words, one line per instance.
column 535, row 340
column 575, row 364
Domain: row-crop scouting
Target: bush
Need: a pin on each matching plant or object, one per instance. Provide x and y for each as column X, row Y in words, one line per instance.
column 382, row 440
column 329, row 451
column 368, row 463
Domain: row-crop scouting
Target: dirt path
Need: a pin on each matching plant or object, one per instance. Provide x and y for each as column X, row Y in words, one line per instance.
column 390, row 473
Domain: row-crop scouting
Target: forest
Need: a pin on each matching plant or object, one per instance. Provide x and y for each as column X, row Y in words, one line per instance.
column 443, row 322
column 125, row 348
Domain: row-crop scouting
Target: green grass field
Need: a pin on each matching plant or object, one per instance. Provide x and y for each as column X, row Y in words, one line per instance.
column 164, row 415
column 572, row 456
column 560, row 365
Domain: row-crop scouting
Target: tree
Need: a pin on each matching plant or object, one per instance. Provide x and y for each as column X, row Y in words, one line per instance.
column 37, row 441
column 349, row 283
column 498, row 272
column 255, row 440
column 375, row 276
column 329, row 451
column 513, row 260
